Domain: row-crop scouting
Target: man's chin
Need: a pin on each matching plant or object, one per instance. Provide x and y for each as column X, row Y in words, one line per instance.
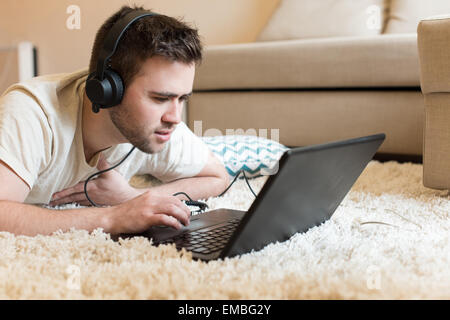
column 152, row 147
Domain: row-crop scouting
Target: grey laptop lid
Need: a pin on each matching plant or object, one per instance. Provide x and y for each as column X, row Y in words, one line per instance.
column 310, row 184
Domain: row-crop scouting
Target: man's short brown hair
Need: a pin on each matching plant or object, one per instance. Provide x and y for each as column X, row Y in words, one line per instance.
column 149, row 36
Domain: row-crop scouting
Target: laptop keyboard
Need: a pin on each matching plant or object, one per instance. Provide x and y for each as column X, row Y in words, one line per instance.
column 205, row 242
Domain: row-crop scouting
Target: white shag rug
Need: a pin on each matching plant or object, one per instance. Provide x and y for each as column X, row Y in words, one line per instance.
column 389, row 239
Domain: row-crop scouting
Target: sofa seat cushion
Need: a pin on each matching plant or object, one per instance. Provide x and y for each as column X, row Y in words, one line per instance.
column 374, row 61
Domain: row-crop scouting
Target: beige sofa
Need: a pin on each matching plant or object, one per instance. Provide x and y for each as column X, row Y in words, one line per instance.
column 318, row 85
column 434, row 51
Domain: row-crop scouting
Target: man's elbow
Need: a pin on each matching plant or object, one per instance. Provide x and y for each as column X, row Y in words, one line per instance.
column 216, row 169
column 223, row 180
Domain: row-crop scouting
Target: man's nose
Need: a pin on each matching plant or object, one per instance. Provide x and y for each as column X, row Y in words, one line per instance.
column 173, row 113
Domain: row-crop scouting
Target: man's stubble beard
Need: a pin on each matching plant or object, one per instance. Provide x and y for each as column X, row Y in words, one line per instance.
column 137, row 136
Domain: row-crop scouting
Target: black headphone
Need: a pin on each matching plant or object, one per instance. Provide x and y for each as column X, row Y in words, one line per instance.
column 105, row 86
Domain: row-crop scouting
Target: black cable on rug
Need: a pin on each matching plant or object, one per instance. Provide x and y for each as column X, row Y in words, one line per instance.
column 234, row 180
column 201, row 205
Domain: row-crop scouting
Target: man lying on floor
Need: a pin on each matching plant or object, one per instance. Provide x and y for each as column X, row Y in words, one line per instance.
column 52, row 137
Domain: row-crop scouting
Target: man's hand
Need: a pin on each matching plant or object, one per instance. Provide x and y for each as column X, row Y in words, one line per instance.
column 146, row 210
column 110, row 188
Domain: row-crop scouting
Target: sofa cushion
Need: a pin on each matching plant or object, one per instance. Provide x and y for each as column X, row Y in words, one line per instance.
column 377, row 61
column 294, row 19
column 404, row 15
column 257, row 156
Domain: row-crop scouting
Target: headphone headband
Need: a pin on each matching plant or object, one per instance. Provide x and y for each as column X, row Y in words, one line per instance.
column 113, row 37
column 104, row 87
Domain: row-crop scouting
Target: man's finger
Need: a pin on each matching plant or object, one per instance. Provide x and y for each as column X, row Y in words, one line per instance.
column 76, row 197
column 175, row 211
column 167, row 220
column 181, row 205
column 78, row 188
column 85, row 203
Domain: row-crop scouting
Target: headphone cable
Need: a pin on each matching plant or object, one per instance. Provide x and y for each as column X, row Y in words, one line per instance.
column 100, row 172
column 234, row 180
column 202, row 206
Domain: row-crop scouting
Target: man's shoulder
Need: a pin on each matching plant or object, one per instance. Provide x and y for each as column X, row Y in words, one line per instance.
column 46, row 88
column 55, row 95
column 18, row 100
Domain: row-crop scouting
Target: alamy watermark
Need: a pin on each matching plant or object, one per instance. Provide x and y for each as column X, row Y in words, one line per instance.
column 374, row 21
column 373, row 280
column 259, row 133
column 73, row 22
column 73, row 281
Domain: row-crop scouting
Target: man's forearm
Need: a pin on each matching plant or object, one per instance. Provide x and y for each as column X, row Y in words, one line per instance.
column 25, row 219
column 196, row 187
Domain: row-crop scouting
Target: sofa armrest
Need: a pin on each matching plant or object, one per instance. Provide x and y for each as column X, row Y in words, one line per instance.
column 434, row 55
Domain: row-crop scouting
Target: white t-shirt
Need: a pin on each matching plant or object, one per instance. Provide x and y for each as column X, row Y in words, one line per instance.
column 41, row 140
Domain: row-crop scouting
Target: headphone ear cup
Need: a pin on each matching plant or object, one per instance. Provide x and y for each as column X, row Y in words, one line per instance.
column 94, row 89
column 117, row 88
column 105, row 93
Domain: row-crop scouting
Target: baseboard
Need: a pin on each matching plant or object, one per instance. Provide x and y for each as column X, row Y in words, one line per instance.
column 401, row 158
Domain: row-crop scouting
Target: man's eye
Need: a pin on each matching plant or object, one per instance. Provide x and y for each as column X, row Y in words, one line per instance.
column 160, row 99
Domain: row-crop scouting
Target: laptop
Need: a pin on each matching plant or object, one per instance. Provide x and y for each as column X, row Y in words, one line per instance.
column 308, row 187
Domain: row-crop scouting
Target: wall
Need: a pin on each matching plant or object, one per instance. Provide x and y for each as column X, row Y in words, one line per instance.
column 43, row 22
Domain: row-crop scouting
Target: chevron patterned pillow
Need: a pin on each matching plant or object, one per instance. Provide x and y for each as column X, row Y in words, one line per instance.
column 256, row 155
